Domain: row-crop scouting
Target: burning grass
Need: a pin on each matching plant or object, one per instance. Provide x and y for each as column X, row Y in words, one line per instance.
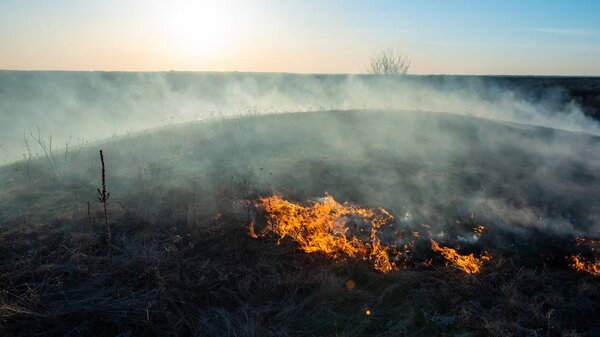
column 344, row 230
column 324, row 226
column 220, row 281
column 337, row 230
column 579, row 263
column 467, row 263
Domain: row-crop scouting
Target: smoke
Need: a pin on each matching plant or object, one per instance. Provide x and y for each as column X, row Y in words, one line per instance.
column 411, row 144
column 97, row 105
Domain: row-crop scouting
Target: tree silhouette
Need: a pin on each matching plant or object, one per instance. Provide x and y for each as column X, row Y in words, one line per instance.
column 389, row 62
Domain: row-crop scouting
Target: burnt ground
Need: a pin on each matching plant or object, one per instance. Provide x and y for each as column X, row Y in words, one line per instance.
column 184, row 264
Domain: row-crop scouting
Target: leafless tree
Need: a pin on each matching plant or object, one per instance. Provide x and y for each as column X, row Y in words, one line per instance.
column 389, row 62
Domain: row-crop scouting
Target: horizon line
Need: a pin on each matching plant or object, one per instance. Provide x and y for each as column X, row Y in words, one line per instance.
column 291, row 73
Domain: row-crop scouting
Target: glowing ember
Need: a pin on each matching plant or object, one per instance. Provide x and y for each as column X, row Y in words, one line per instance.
column 579, row 263
column 586, row 241
column 468, row 263
column 323, row 227
column 479, row 230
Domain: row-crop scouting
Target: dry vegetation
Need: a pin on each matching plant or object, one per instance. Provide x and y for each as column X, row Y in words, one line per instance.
column 184, row 263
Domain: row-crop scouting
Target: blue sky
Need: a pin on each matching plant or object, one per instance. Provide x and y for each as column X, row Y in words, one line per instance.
column 440, row 37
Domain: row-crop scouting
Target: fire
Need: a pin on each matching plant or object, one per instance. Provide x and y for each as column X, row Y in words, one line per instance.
column 323, row 227
column 468, row 263
column 586, row 241
column 479, row 230
column 345, row 230
column 579, row 263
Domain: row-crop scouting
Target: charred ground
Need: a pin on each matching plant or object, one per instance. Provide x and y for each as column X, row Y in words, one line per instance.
column 184, row 264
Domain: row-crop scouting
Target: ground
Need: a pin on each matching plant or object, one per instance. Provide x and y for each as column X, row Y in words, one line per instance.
column 184, row 263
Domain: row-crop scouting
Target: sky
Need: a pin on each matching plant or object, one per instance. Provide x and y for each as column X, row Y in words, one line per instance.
column 439, row 37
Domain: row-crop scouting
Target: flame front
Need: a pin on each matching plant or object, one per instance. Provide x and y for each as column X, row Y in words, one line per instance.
column 579, row 263
column 321, row 227
column 468, row 263
column 338, row 230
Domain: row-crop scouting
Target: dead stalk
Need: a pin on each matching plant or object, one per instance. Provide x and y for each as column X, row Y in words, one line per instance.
column 103, row 198
column 89, row 214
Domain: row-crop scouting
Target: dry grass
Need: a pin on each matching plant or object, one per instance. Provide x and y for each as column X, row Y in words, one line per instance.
column 167, row 279
column 183, row 264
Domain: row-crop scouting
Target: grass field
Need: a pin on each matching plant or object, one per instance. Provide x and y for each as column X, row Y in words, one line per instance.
column 184, row 263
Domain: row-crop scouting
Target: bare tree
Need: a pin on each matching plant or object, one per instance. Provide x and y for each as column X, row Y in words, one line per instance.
column 389, row 62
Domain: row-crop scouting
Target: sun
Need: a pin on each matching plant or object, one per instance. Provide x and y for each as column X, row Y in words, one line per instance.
column 201, row 27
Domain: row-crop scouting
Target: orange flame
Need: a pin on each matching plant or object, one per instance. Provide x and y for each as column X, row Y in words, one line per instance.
column 479, row 230
column 251, row 231
column 586, row 241
column 467, row 263
column 579, row 263
column 321, row 227
column 324, row 227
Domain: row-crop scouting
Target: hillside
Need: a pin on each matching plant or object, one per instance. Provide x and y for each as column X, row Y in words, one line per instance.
column 183, row 198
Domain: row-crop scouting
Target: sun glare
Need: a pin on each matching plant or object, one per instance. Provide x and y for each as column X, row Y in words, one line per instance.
column 199, row 28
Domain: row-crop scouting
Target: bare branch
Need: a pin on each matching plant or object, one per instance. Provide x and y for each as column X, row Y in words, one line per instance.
column 389, row 62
